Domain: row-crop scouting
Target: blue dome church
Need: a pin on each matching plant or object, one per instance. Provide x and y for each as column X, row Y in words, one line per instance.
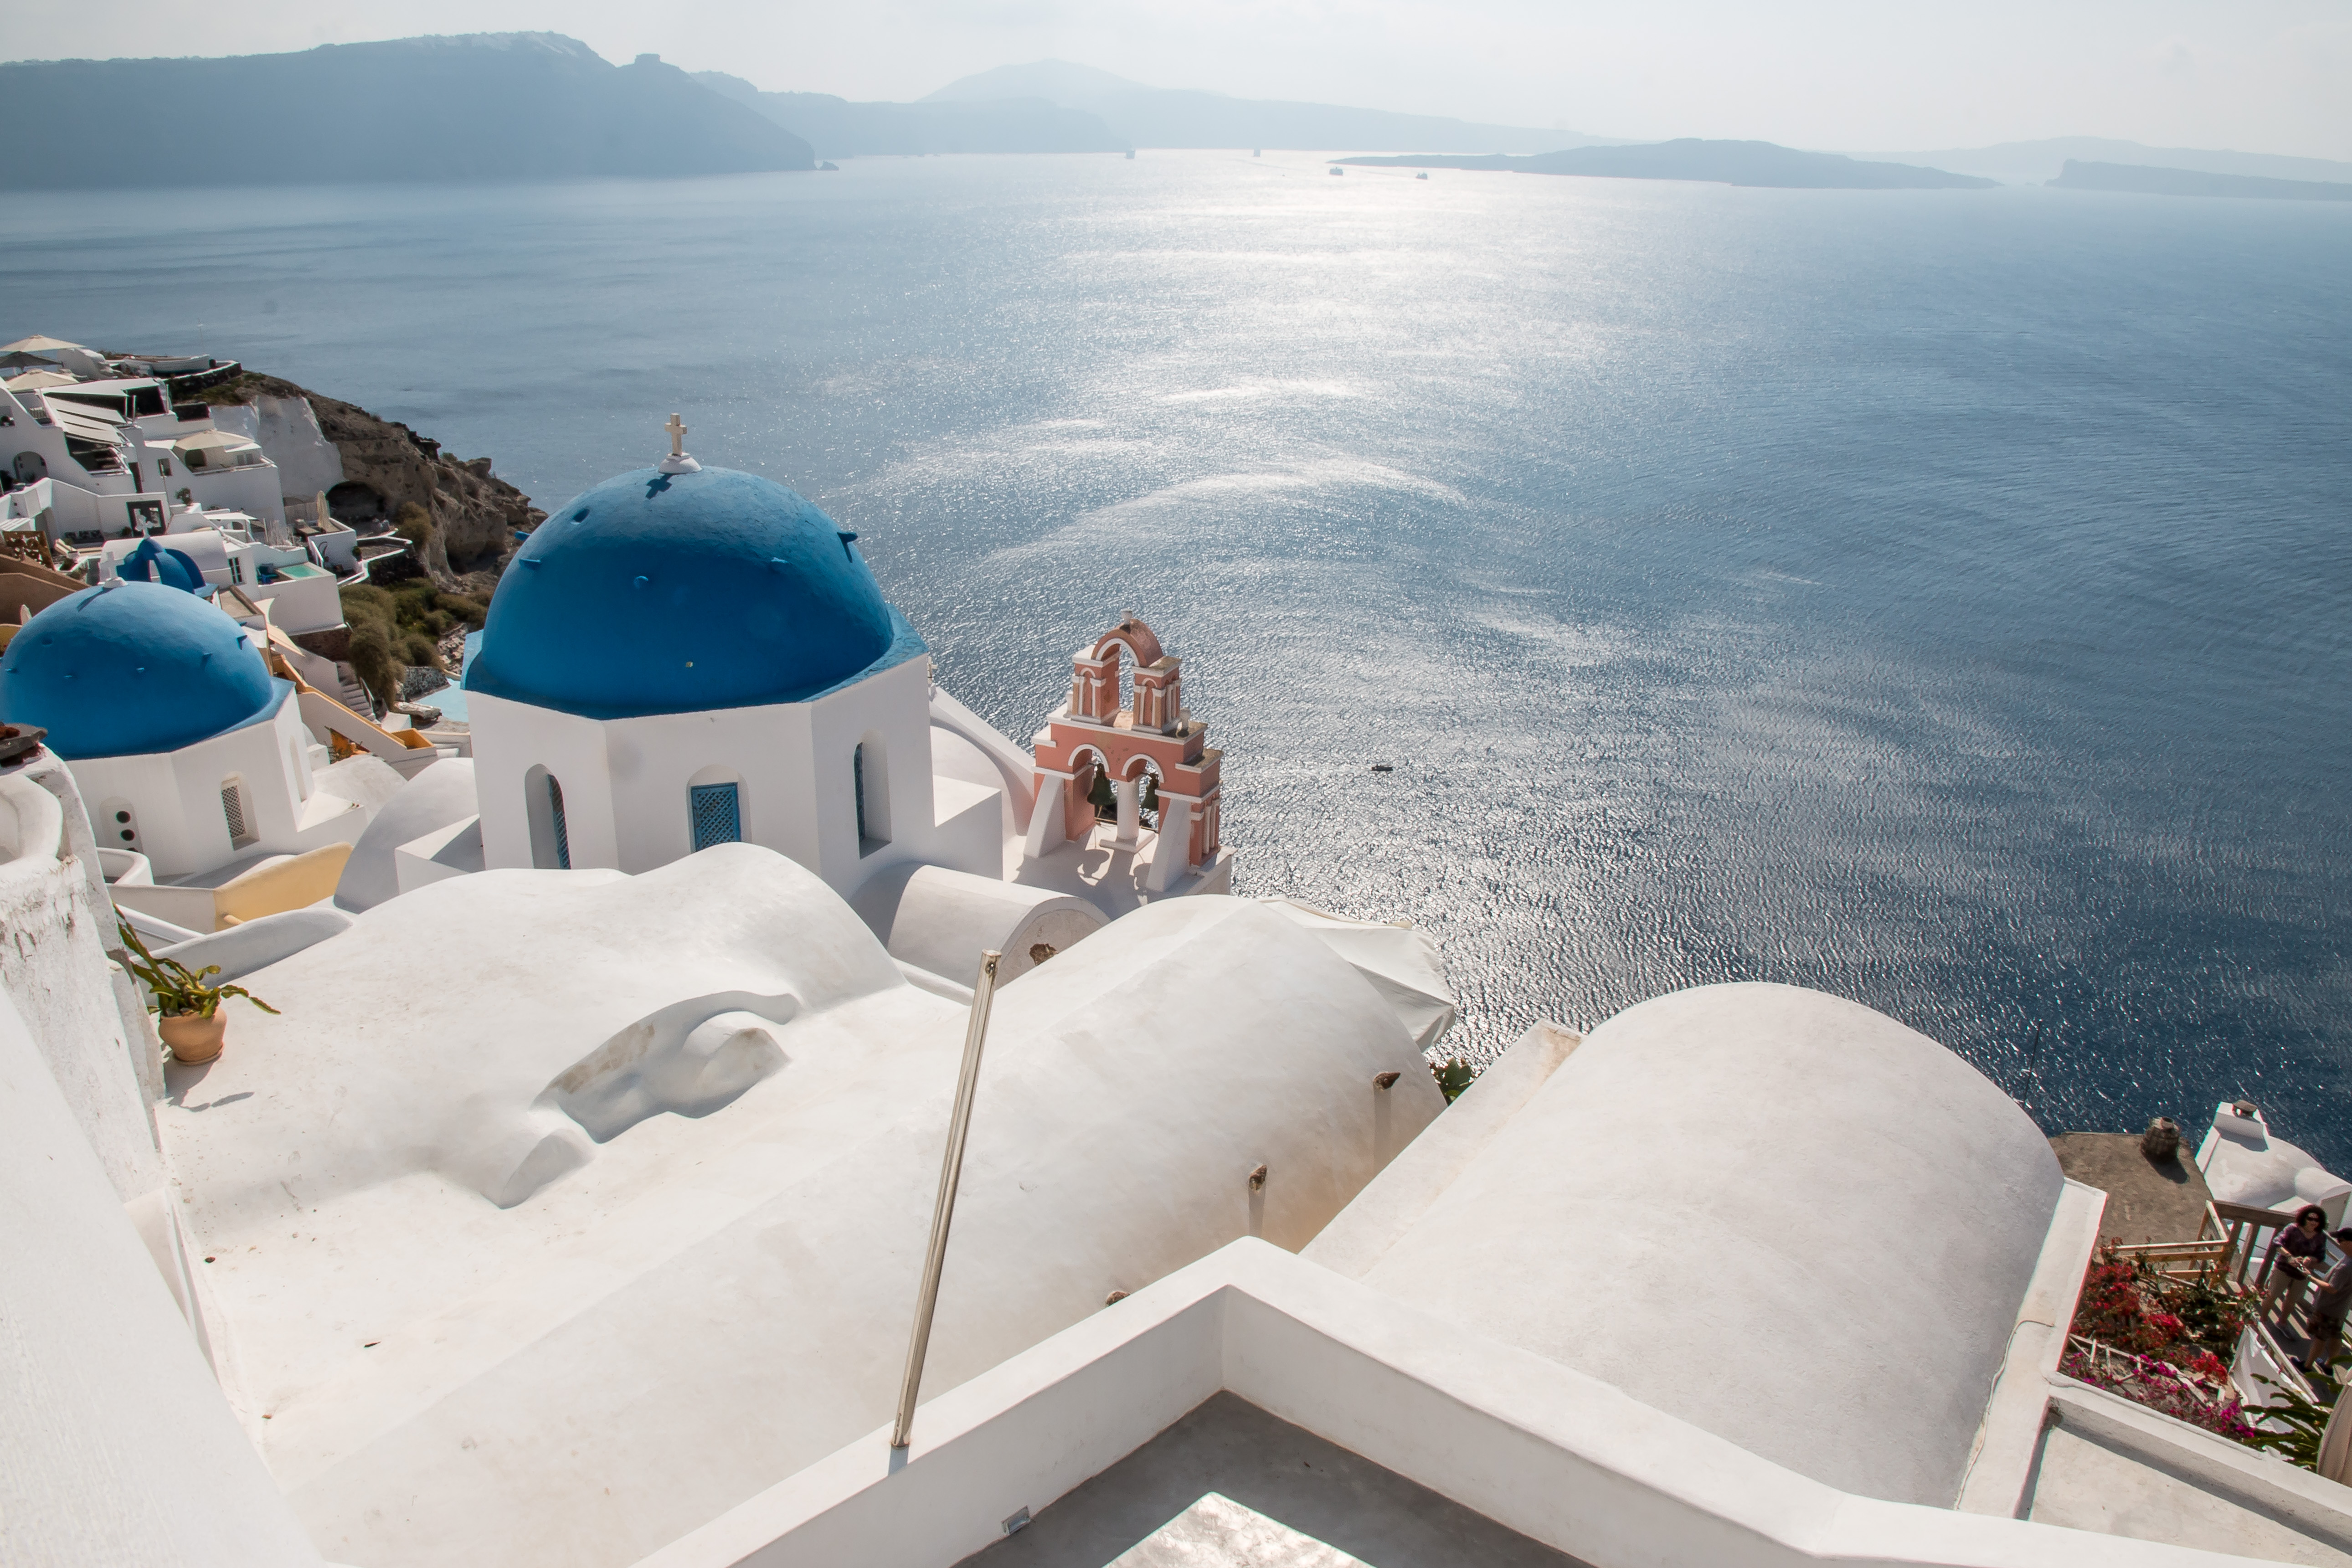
column 189, row 750
column 684, row 657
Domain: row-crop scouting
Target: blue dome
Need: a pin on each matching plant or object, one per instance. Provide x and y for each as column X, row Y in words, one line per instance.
column 154, row 562
column 683, row 593
column 133, row 668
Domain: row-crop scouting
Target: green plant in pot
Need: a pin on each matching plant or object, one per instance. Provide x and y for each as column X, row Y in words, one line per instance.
column 190, row 1019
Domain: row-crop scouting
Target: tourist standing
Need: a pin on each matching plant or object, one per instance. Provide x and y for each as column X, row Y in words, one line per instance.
column 2294, row 1257
column 2328, row 1306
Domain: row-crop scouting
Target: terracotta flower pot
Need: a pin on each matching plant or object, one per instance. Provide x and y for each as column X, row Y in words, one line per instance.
column 193, row 1037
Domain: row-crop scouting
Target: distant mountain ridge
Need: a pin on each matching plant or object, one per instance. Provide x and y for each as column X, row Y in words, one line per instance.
column 480, row 106
column 1763, row 164
column 838, row 128
column 2036, row 163
column 1180, row 117
column 2141, row 179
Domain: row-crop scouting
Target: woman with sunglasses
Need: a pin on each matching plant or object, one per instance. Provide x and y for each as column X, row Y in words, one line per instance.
column 2294, row 1257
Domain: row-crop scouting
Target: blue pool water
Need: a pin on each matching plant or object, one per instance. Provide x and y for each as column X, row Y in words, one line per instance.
column 1938, row 597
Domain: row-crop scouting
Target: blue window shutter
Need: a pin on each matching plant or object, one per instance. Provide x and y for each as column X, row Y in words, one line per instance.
column 718, row 815
column 562, row 838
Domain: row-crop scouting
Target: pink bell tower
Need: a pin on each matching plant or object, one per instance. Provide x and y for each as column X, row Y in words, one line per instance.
column 1152, row 746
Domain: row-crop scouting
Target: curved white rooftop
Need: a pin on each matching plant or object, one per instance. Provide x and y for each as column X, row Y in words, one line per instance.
column 1777, row 1215
column 713, row 1110
column 2245, row 1163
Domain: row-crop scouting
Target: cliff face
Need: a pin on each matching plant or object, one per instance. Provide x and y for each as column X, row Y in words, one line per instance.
column 387, row 468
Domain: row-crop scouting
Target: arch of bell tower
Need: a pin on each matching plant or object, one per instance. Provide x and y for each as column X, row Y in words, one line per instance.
column 1092, row 735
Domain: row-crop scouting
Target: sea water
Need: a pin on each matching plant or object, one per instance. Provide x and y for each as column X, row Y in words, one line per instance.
column 1940, row 598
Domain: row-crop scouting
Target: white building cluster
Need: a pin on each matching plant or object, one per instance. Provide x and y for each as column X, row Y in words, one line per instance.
column 97, row 454
column 570, row 1209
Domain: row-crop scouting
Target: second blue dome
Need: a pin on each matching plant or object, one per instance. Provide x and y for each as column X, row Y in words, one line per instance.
column 659, row 593
column 133, row 668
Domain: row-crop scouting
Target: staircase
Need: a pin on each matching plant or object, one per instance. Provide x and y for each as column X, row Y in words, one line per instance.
column 352, row 694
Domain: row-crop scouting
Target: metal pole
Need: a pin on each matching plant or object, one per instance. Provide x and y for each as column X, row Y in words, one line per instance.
column 951, row 1172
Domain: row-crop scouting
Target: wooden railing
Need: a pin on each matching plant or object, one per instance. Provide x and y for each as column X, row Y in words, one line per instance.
column 2248, row 1232
column 2234, row 1241
column 2179, row 1256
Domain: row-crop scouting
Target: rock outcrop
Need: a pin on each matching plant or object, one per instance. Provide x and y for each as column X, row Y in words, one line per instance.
column 388, row 468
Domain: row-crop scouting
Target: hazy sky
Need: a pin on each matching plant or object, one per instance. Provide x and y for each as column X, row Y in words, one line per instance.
column 2264, row 76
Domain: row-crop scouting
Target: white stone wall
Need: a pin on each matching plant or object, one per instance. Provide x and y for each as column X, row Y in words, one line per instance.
column 253, row 490
column 626, row 781
column 176, row 796
column 298, row 604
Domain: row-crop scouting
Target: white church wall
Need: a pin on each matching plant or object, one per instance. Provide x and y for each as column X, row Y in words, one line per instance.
column 626, row 782
column 204, row 546
column 890, row 711
column 175, row 797
column 270, row 762
column 763, row 752
column 298, row 604
column 117, row 1446
column 148, row 790
column 510, row 739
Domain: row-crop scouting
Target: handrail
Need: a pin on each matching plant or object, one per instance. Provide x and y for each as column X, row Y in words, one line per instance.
column 399, row 740
column 2239, row 1227
column 919, row 1342
column 2295, row 1381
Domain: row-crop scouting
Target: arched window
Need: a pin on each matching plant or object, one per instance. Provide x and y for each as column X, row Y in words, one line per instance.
column 1148, row 793
column 716, row 812
column 232, row 793
column 870, row 770
column 550, row 838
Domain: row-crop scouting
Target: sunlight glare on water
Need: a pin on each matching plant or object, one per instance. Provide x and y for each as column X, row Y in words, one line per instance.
column 1936, row 598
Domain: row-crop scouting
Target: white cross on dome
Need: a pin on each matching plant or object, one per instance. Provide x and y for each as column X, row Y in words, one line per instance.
column 679, row 461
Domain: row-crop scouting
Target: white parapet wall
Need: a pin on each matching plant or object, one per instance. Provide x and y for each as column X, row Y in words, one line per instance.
column 1561, row 1458
column 115, row 1445
column 91, row 1025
